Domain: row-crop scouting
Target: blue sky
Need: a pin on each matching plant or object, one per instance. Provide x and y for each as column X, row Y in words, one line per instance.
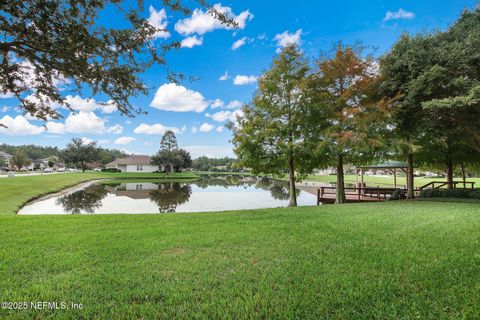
column 197, row 110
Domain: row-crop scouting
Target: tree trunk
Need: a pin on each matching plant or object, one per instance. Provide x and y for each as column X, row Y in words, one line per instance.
column 464, row 176
column 84, row 166
column 450, row 172
column 410, row 177
column 340, row 190
column 291, row 179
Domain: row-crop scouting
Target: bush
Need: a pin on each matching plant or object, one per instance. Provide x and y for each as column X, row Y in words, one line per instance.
column 450, row 193
column 395, row 195
column 111, row 170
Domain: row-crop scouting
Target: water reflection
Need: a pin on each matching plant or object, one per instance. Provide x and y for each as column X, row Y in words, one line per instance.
column 87, row 200
column 211, row 193
column 170, row 195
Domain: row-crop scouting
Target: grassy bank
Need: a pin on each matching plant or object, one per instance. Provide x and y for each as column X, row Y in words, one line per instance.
column 14, row 192
column 382, row 260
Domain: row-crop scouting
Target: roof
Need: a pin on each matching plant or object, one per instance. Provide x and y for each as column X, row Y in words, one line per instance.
column 5, row 155
column 132, row 160
column 390, row 164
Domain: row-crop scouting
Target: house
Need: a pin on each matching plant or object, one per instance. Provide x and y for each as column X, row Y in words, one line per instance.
column 135, row 163
column 6, row 159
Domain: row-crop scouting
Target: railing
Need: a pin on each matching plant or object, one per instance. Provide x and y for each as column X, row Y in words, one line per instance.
column 439, row 184
column 361, row 192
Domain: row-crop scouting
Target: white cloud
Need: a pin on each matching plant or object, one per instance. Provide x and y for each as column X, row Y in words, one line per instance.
column 225, row 115
column 86, row 140
column 241, row 80
column 191, row 42
column 78, row 103
column 55, row 127
column 172, row 97
column 103, row 142
column 220, row 128
column 219, row 116
column 126, row 151
column 194, row 129
column 286, row 38
column 237, row 44
column 124, row 140
column 398, row 15
column 19, row 126
column 158, row 19
column 206, row 127
column 234, row 104
column 210, row 151
column 224, row 77
column 84, row 122
column 157, row 128
column 128, row 122
column 218, row 103
column 116, row 129
column 202, row 22
column 4, row 109
column 6, row 95
column 262, row 36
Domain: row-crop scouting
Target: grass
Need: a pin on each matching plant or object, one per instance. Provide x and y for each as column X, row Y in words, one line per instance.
column 15, row 192
column 395, row 260
column 392, row 260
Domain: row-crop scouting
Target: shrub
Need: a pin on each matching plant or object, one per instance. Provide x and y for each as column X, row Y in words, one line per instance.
column 110, row 170
column 395, row 195
column 450, row 193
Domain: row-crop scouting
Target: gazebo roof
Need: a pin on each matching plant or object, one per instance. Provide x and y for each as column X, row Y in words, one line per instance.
column 390, row 164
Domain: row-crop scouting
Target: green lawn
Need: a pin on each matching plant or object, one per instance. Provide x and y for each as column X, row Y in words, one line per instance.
column 391, row 260
column 396, row 260
column 14, row 192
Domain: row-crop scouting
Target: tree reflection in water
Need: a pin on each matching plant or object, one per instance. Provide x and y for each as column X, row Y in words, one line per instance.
column 278, row 189
column 87, row 200
column 225, row 181
column 170, row 195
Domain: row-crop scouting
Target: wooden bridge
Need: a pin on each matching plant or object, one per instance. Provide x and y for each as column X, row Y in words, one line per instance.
column 326, row 194
column 441, row 184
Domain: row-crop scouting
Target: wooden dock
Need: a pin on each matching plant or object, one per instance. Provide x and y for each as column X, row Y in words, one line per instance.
column 357, row 194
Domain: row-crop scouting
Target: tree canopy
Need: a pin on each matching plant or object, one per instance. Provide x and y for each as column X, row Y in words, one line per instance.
column 170, row 156
column 271, row 137
column 80, row 153
column 47, row 44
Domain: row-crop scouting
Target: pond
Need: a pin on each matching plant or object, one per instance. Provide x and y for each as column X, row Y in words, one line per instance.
column 212, row 193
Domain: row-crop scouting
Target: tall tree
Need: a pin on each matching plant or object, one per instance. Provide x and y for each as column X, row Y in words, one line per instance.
column 407, row 59
column 170, row 156
column 437, row 79
column 80, row 153
column 271, row 136
column 169, row 141
column 45, row 42
column 19, row 159
column 346, row 86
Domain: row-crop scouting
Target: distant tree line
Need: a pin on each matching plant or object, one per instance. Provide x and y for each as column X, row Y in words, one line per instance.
column 77, row 154
column 420, row 103
column 31, row 151
column 204, row 163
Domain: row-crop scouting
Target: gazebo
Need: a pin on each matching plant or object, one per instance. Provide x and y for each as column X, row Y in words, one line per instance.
column 390, row 165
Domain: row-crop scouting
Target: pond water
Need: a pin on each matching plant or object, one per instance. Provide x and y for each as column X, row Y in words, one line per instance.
column 214, row 193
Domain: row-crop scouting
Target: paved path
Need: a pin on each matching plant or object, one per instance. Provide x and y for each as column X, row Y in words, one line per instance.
column 19, row 175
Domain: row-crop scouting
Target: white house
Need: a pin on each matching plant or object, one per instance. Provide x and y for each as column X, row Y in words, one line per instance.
column 6, row 159
column 135, row 163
